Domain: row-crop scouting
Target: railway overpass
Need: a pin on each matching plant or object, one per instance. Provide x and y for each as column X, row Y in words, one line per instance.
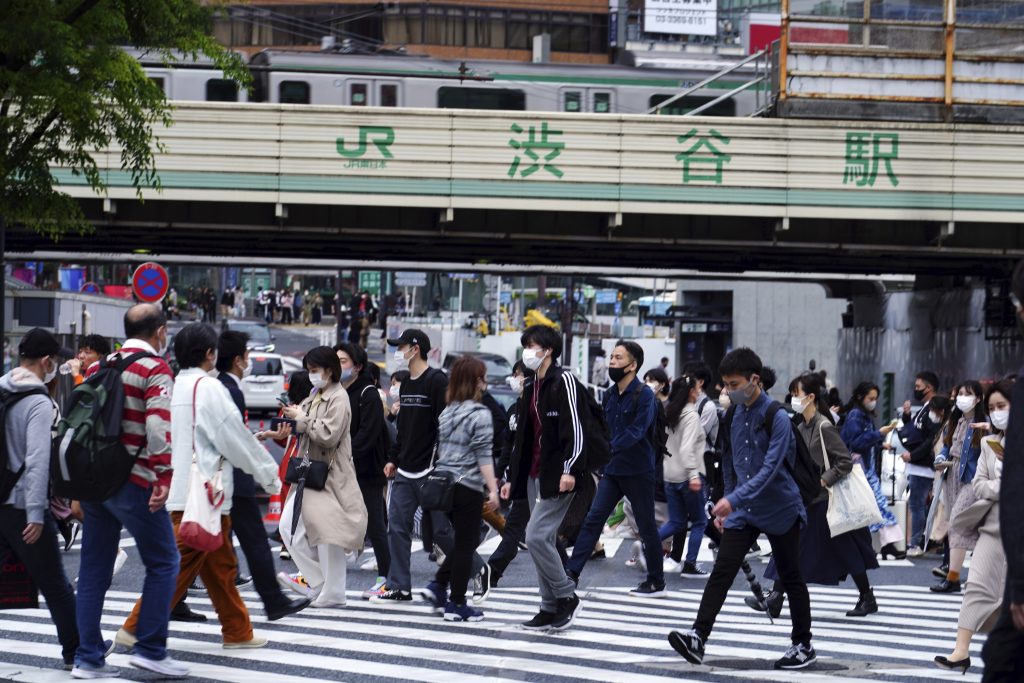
column 411, row 185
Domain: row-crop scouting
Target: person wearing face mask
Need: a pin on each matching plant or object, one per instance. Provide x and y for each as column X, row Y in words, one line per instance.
column 760, row 496
column 27, row 527
column 326, row 524
column 918, row 437
column 983, row 595
column 369, row 452
column 631, row 410
column 864, row 443
column 957, row 463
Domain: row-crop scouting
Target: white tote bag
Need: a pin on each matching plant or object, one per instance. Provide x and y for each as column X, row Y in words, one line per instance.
column 851, row 502
column 200, row 526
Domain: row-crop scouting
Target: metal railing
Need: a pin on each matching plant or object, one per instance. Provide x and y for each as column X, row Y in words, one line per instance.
column 762, row 61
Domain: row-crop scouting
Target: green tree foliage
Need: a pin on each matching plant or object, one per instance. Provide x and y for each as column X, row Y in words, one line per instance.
column 68, row 89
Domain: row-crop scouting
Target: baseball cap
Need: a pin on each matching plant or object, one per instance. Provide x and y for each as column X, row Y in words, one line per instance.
column 411, row 337
column 39, row 343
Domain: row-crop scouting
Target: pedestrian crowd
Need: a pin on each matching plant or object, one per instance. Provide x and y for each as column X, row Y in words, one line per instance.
column 706, row 458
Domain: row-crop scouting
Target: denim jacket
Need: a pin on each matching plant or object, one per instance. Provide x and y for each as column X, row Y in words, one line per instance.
column 969, row 455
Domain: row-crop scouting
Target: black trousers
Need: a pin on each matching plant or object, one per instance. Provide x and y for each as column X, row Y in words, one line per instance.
column 731, row 551
column 377, row 524
column 247, row 525
column 514, row 534
column 465, row 515
column 1003, row 653
column 45, row 566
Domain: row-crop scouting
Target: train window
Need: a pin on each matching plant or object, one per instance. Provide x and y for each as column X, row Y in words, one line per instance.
column 293, row 92
column 221, row 90
column 602, row 102
column 357, row 94
column 388, row 95
column 480, row 98
column 572, row 100
column 688, row 104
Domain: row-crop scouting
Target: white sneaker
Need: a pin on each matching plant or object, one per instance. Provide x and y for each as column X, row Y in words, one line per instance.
column 125, row 639
column 638, row 558
column 369, row 566
column 295, row 582
column 119, row 561
column 671, row 566
column 914, row 551
column 253, row 644
column 377, row 588
column 88, row 672
column 166, row 667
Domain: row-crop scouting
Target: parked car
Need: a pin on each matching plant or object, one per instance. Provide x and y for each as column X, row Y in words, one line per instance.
column 265, row 384
column 498, row 368
column 291, row 365
column 260, row 338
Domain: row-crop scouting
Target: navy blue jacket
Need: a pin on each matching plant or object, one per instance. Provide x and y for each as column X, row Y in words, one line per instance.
column 245, row 485
column 630, row 417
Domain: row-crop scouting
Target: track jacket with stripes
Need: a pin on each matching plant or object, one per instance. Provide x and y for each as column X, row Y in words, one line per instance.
column 562, row 423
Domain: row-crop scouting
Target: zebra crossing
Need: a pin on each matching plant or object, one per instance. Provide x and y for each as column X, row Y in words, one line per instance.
column 616, row 638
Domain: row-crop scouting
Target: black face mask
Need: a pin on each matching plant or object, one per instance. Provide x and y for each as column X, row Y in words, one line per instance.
column 918, row 394
column 616, row 374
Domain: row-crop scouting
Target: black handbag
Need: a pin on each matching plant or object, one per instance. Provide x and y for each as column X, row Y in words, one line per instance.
column 438, row 492
column 315, row 472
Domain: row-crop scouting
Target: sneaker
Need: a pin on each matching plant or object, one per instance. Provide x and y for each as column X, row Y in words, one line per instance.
column 437, row 596
column 522, row 546
column 196, row 587
column 70, row 530
column 369, row 566
column 438, row 555
column 284, row 555
column 637, row 558
column 253, row 644
column 464, row 612
column 295, row 582
column 166, row 667
column 568, row 610
column 84, row 671
column 125, row 639
column 689, row 645
column 391, row 596
column 599, row 553
column 914, row 551
column 541, row 622
column 755, row 551
column 482, row 585
column 649, row 590
column 670, row 566
column 376, row 589
column 119, row 561
column 242, row 581
column 798, row 656
column 693, row 571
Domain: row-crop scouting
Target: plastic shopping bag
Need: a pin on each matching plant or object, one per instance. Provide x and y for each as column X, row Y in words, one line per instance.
column 851, row 503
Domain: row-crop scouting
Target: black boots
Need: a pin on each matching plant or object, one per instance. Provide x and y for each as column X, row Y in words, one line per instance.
column 865, row 605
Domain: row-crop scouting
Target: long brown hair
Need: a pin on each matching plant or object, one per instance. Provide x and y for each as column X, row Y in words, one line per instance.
column 464, row 379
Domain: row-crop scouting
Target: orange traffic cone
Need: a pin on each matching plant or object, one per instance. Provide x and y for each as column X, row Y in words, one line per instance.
column 273, row 515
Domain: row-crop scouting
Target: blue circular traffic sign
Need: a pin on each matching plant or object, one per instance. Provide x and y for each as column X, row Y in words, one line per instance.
column 150, row 282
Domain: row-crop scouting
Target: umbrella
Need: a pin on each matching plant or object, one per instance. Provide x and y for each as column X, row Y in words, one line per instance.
column 755, row 586
column 300, row 486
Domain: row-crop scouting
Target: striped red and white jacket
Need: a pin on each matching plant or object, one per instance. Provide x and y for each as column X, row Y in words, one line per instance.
column 147, row 414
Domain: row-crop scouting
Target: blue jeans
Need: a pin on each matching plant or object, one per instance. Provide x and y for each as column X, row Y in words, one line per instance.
column 920, row 487
column 154, row 539
column 685, row 506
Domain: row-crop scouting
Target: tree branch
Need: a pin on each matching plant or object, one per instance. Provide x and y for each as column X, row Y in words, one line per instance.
column 18, row 156
column 79, row 11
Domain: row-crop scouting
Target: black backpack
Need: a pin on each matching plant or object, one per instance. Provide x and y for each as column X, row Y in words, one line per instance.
column 597, row 438
column 9, row 479
column 88, row 462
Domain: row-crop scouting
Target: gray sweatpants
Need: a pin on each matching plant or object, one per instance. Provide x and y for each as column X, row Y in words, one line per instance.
column 546, row 516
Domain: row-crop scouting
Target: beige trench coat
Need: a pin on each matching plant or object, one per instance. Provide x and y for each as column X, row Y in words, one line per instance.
column 337, row 515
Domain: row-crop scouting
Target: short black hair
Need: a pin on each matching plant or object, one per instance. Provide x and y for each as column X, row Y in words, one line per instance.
column 95, row 342
column 698, row 369
column 741, row 361
column 544, row 337
column 299, row 387
column 929, row 377
column 400, row 376
column 323, row 357
column 231, row 345
column 354, row 351
column 142, row 321
column 659, row 375
column 635, row 351
column 374, row 370
column 520, row 367
column 768, row 378
column 192, row 343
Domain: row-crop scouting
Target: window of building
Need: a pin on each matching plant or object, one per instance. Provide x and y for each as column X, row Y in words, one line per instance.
column 357, row 94
column 221, row 90
column 388, row 95
column 688, row 104
column 480, row 98
column 293, row 92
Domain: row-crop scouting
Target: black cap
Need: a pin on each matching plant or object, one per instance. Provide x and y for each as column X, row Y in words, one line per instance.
column 38, row 343
column 412, row 337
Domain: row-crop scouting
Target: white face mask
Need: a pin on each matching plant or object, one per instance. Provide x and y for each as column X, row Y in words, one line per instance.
column 400, row 360
column 655, row 387
column 798, row 404
column 394, row 392
column 723, row 400
column 51, row 373
column 515, row 384
column 247, row 370
column 533, row 358
column 870, row 406
column 1000, row 419
column 935, row 417
column 317, row 380
column 162, row 351
column 966, row 403
column 347, row 374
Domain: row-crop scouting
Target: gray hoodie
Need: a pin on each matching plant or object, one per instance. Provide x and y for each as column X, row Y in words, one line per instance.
column 28, row 426
column 465, row 440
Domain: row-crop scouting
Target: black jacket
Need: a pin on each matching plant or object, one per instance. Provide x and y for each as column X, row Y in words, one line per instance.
column 369, row 436
column 508, row 441
column 918, row 437
column 245, row 485
column 499, row 420
column 1011, row 503
column 561, row 409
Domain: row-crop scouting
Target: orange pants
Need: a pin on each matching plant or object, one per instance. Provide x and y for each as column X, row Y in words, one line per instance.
column 217, row 570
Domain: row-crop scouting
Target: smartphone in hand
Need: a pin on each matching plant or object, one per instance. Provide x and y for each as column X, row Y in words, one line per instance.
column 276, row 423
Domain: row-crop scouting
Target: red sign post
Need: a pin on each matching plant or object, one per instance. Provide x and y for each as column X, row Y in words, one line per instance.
column 150, row 283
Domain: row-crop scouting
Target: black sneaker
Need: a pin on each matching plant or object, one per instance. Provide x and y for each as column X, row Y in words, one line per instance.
column 649, row 590
column 798, row 656
column 541, row 622
column 689, row 645
column 568, row 610
column 693, row 571
column 243, row 581
column 392, row 596
column 482, row 584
